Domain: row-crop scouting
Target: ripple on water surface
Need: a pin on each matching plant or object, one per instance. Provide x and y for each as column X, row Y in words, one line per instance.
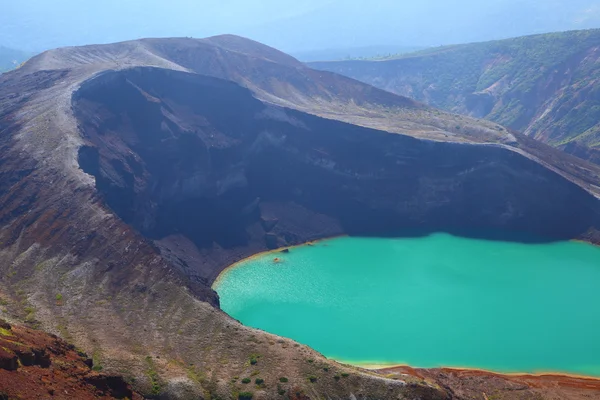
column 432, row 301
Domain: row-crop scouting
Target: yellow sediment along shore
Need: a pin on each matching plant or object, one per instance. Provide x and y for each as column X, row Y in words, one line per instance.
column 263, row 253
column 376, row 366
column 372, row 366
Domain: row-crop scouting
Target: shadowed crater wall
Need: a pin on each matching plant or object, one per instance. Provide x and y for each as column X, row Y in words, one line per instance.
column 212, row 174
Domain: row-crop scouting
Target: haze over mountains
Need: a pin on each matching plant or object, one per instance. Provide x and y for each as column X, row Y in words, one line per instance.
column 33, row 25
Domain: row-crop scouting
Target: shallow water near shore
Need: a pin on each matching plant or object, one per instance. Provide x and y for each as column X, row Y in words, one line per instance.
column 432, row 301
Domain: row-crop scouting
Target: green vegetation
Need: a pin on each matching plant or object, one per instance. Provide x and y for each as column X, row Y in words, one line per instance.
column 524, row 59
column 29, row 314
column 543, row 84
column 81, row 353
column 312, row 379
column 96, row 362
column 246, row 380
column 5, row 332
column 153, row 376
column 195, row 375
column 254, row 359
column 245, row 396
column 345, row 374
column 62, row 329
column 283, row 379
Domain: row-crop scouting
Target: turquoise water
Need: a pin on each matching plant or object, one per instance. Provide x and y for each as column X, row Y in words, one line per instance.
column 433, row 301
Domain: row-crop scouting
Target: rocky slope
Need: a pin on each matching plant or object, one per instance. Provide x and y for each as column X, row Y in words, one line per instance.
column 35, row 365
column 132, row 174
column 546, row 86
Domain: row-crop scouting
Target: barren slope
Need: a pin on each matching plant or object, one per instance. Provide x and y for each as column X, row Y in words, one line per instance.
column 130, row 175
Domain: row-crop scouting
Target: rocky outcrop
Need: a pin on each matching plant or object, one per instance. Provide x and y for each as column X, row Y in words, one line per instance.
column 35, row 365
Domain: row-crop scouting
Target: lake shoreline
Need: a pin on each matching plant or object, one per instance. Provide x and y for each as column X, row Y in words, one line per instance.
column 275, row 256
column 323, row 239
column 474, row 382
column 391, row 367
column 553, row 374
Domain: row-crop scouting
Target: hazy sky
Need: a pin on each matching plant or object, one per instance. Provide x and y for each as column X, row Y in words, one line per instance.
column 88, row 21
column 291, row 25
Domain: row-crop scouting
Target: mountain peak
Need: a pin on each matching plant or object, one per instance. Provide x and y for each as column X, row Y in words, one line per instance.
column 252, row 48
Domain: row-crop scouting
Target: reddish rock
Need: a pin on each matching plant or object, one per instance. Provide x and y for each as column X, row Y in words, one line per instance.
column 36, row 365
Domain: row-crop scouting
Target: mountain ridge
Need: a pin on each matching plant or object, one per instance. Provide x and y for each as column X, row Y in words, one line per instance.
column 320, row 93
column 543, row 85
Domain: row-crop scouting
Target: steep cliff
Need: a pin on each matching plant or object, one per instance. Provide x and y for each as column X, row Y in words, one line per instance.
column 182, row 156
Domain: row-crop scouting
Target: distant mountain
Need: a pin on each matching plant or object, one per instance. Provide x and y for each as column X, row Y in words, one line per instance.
column 293, row 26
column 343, row 23
column 10, row 59
column 353, row 53
column 547, row 86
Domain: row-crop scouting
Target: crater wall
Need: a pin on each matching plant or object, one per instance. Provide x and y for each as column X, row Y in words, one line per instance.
column 212, row 174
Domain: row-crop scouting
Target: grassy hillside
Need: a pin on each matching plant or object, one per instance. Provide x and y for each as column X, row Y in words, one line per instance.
column 10, row 59
column 547, row 86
